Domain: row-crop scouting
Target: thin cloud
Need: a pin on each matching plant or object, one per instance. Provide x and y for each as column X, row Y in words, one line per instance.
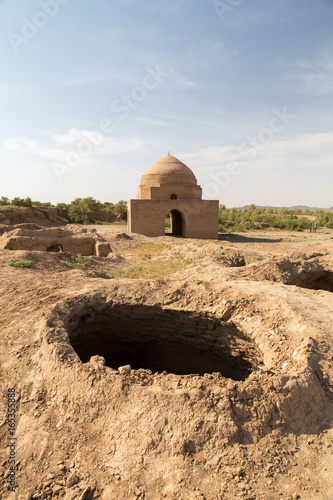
column 310, row 75
column 182, row 81
column 315, row 150
column 58, row 145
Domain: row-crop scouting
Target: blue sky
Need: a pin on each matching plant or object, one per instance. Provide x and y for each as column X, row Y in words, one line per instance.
column 93, row 93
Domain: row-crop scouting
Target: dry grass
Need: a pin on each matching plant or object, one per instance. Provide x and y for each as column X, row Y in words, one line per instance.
column 150, row 269
column 143, row 250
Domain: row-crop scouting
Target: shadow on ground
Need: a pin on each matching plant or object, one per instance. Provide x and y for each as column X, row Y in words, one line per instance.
column 237, row 238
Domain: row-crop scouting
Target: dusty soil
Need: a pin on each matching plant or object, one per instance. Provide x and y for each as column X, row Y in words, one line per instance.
column 230, row 391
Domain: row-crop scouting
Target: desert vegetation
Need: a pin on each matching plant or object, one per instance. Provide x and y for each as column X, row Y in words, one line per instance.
column 254, row 218
column 21, row 263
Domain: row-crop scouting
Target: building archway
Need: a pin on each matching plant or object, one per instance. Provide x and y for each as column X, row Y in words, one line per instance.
column 55, row 248
column 173, row 197
column 176, row 223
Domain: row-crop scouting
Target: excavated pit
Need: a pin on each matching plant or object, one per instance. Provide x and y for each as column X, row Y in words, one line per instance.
column 316, row 280
column 163, row 340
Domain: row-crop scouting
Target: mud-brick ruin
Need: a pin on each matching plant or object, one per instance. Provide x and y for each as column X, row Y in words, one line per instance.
column 169, row 186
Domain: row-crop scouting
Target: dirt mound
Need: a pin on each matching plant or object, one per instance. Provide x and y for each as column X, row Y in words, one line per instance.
column 306, row 270
column 43, row 216
column 123, row 236
column 37, row 238
column 231, row 258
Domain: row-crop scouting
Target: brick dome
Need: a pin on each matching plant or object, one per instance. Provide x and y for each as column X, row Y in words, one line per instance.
column 168, row 169
column 169, row 177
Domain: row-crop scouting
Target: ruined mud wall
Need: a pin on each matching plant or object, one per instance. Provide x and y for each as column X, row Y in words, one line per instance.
column 101, row 216
column 44, row 216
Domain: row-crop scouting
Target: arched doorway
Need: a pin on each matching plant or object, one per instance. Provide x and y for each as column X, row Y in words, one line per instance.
column 54, row 248
column 174, row 223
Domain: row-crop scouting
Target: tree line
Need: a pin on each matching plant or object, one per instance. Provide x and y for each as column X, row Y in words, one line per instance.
column 77, row 209
column 252, row 217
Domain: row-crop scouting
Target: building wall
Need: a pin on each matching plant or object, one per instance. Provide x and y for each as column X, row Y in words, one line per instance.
column 101, row 216
column 187, row 179
column 166, row 190
column 183, row 192
column 200, row 217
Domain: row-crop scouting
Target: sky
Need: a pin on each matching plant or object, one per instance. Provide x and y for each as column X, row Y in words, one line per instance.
column 93, row 93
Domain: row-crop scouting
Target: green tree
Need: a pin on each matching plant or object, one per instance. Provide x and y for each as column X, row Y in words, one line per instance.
column 283, row 211
column 42, row 204
column 109, row 207
column 120, row 209
column 234, row 214
column 89, row 204
column 21, row 202
column 64, row 206
column 4, row 201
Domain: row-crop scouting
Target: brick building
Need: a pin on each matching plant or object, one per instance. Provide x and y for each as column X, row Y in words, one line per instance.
column 169, row 186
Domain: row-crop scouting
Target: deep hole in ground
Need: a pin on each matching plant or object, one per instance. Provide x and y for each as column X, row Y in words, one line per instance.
column 316, row 280
column 54, row 248
column 157, row 339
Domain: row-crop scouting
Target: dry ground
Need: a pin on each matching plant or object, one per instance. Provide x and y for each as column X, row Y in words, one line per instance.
column 259, row 427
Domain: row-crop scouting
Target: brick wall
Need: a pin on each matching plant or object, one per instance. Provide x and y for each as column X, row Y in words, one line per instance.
column 166, row 190
column 199, row 217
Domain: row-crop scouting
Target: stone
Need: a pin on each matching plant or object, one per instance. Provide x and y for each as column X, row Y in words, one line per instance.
column 125, row 370
column 72, row 480
column 56, row 489
column 102, row 249
column 88, row 494
column 97, row 362
column 227, row 312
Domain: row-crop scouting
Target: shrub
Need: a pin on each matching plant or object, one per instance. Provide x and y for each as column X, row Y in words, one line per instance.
column 21, row 263
column 4, row 201
column 79, row 262
column 116, row 273
column 21, row 202
column 66, row 263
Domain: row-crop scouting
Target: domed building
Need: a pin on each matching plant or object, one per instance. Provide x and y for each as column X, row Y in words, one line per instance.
column 169, row 186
